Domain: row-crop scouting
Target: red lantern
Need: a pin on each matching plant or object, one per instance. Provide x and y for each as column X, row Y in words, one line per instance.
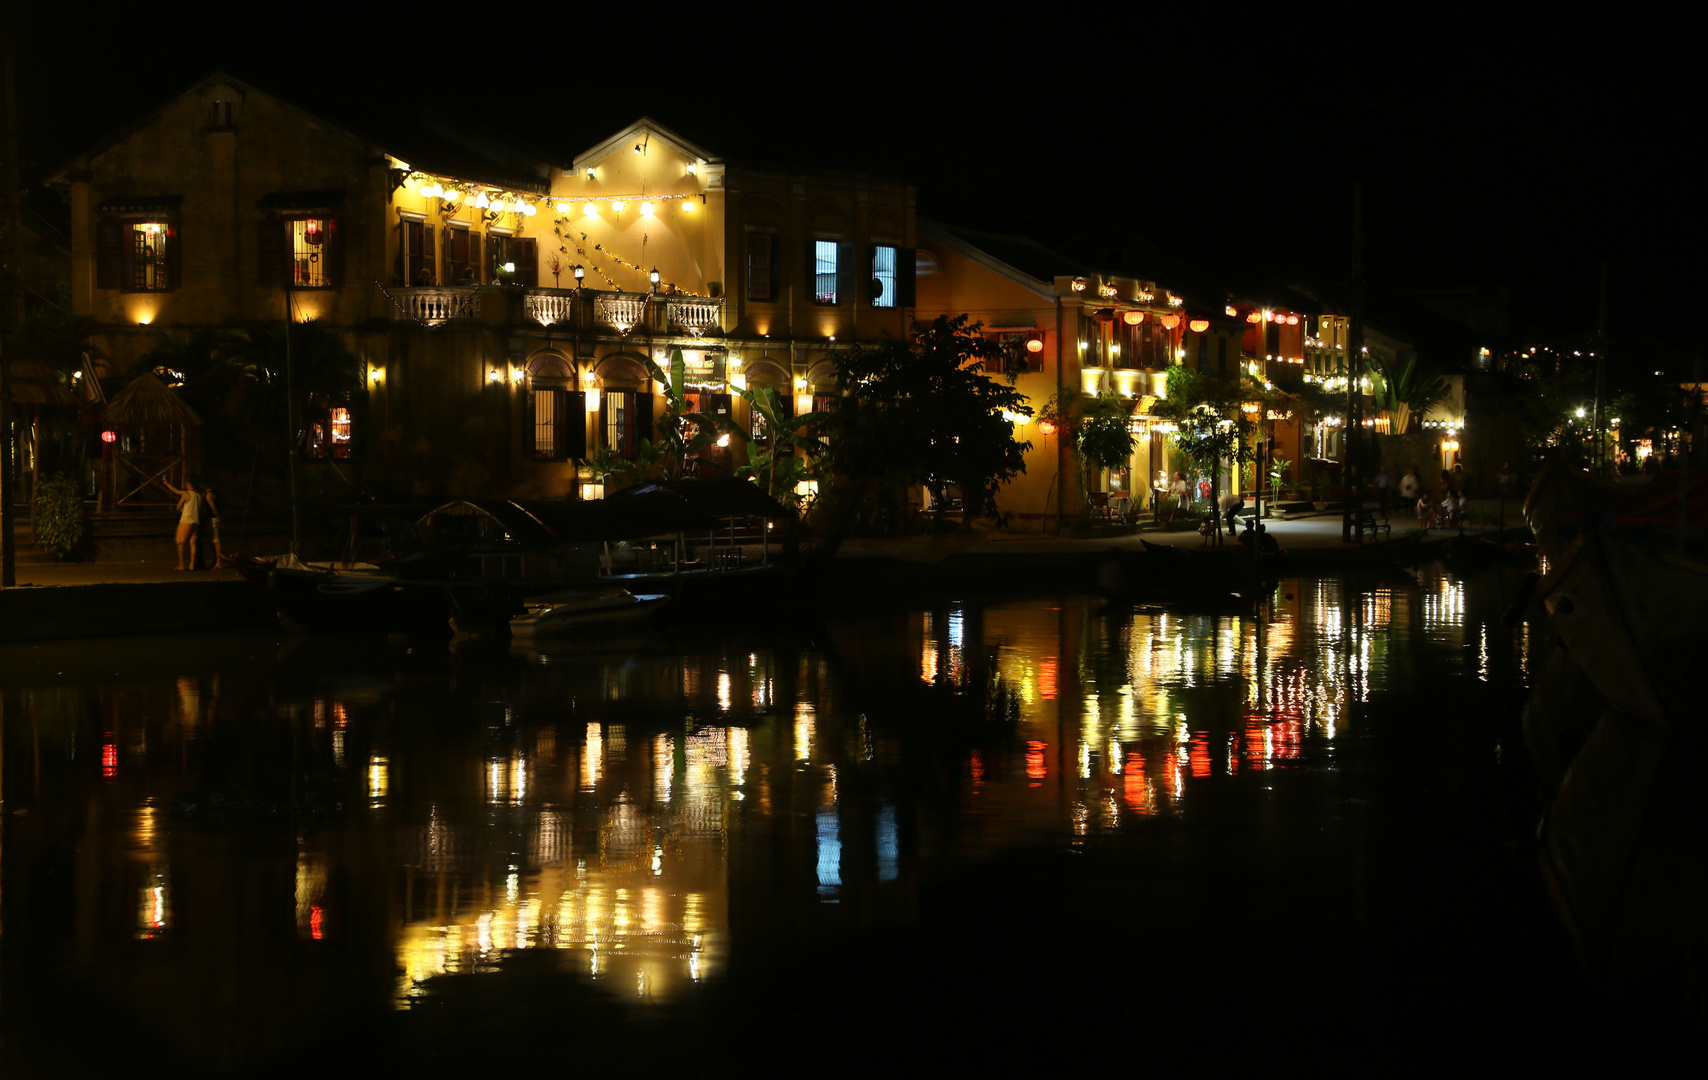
column 1048, row 427
column 109, row 436
column 1198, row 326
column 1169, row 321
column 1035, row 343
column 1133, row 318
column 1292, row 320
column 1254, row 317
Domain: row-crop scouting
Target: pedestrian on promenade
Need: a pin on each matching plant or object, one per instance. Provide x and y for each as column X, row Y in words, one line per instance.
column 189, row 522
column 1410, row 486
column 1230, row 504
column 210, row 504
column 1179, row 491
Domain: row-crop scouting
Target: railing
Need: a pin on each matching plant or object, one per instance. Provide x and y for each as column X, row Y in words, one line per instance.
column 620, row 311
column 550, row 306
column 695, row 314
column 435, row 306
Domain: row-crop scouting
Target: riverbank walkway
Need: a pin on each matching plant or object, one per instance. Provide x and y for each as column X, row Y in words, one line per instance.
column 1317, row 531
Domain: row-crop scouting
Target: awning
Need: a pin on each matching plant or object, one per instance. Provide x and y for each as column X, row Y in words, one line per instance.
column 140, row 204
column 322, row 199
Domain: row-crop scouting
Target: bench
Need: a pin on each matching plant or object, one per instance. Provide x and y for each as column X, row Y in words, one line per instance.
column 1367, row 523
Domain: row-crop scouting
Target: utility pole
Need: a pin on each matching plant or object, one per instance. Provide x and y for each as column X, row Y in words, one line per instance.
column 11, row 322
column 291, row 425
column 1598, row 453
column 1354, row 477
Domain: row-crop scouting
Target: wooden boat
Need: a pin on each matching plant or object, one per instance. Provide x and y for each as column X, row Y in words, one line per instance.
column 567, row 611
column 480, row 559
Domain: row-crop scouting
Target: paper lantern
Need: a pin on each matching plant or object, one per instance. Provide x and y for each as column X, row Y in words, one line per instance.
column 1048, row 427
column 1169, row 321
column 1133, row 318
column 1198, row 326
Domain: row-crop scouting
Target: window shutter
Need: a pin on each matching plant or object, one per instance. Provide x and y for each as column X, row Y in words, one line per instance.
column 109, row 254
column 907, row 275
column 429, row 254
column 844, row 273
column 527, row 256
column 332, row 250
column 493, row 244
column 572, row 424
column 172, row 257
column 642, row 426
column 603, row 436
column 270, row 251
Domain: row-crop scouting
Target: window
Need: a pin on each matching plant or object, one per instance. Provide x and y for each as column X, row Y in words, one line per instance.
column 300, row 251
column 761, row 266
column 1014, row 348
column 330, row 431
column 512, row 260
column 310, row 268
column 624, row 414
column 883, row 276
column 136, row 252
column 462, row 256
column 415, row 253
column 824, row 272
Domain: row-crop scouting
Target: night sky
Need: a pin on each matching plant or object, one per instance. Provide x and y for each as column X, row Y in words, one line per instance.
column 1519, row 163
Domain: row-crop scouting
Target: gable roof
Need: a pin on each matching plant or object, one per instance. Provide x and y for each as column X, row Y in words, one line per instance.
column 409, row 133
column 1018, row 258
column 644, row 129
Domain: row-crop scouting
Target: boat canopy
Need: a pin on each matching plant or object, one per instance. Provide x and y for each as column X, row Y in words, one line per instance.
column 635, row 513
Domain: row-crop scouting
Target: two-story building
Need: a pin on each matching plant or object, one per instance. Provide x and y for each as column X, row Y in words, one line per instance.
column 503, row 305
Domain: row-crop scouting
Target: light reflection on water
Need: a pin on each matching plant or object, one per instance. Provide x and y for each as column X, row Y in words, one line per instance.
column 620, row 808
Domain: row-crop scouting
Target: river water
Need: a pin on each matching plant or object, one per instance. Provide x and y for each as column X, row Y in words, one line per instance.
column 932, row 822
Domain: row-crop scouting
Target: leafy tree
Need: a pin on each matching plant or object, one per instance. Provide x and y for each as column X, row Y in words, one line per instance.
column 1214, row 424
column 923, row 412
column 1099, row 429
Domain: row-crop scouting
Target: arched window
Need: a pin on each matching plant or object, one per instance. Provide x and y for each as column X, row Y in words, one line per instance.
column 559, row 412
column 625, row 404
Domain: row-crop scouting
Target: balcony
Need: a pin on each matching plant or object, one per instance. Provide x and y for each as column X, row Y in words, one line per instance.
column 435, row 305
column 548, row 307
column 695, row 314
column 620, row 311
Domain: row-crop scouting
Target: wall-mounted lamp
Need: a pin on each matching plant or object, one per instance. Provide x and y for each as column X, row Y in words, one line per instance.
column 580, row 272
column 493, row 376
column 652, row 276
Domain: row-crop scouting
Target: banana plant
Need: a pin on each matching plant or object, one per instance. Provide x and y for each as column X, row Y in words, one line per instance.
column 681, row 434
column 792, row 453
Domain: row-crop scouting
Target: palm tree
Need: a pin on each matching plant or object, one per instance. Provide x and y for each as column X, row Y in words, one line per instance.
column 1407, row 391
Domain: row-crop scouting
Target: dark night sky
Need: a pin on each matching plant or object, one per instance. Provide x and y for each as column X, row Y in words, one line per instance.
column 1520, row 163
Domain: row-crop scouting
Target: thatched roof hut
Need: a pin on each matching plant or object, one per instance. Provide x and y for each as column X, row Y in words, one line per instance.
column 147, row 400
column 34, row 383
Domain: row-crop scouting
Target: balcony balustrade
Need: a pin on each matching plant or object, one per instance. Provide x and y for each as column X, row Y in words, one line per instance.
column 695, row 314
column 549, row 307
column 622, row 312
column 435, row 305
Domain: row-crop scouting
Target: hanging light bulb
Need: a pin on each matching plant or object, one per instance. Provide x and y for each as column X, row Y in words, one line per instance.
column 482, row 201
column 616, row 206
column 562, row 208
column 646, row 209
column 687, row 206
column 530, row 209
column 590, row 208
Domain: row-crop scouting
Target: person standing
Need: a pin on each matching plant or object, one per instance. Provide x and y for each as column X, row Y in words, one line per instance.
column 1384, row 487
column 189, row 521
column 210, row 504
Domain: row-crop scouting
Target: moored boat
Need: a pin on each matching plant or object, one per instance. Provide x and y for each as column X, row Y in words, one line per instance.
column 567, row 611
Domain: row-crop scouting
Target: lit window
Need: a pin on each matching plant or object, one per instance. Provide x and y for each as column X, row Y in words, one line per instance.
column 883, row 276
column 150, row 260
column 310, row 267
column 824, row 271
column 330, row 433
